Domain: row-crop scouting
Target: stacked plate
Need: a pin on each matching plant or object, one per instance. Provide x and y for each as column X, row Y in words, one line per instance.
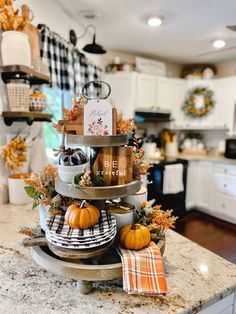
column 60, row 234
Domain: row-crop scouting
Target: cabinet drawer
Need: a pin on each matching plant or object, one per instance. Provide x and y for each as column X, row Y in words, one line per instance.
column 225, row 206
column 226, row 169
column 225, row 184
column 224, row 306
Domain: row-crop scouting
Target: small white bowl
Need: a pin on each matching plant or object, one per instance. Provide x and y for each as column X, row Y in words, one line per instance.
column 67, row 173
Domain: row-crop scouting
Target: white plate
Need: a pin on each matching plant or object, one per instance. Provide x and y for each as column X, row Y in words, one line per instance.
column 79, row 246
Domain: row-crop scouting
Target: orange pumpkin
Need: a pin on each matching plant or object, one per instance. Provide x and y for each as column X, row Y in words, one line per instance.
column 134, row 237
column 82, row 217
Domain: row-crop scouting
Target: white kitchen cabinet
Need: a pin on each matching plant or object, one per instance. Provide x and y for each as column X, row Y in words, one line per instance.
column 204, row 185
column 178, row 95
column 123, row 91
column 164, row 93
column 211, row 187
column 132, row 91
column 199, row 185
column 191, row 187
column 145, row 91
column 224, row 191
column 225, row 98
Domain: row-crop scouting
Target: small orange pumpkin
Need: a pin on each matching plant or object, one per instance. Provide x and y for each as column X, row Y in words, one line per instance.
column 82, row 217
column 134, row 237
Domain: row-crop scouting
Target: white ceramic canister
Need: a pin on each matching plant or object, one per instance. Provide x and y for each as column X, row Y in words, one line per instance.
column 15, row 48
column 17, row 194
column 149, row 149
column 43, row 215
column 123, row 212
column 67, row 173
column 171, row 149
column 136, row 199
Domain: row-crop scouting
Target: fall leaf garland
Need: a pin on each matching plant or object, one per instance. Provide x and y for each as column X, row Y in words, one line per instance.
column 14, row 154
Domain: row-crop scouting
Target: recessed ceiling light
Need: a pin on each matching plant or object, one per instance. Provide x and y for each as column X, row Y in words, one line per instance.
column 154, row 20
column 219, row 43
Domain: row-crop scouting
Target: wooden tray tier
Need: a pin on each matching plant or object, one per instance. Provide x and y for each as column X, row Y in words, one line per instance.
column 98, row 192
column 108, row 267
column 98, row 141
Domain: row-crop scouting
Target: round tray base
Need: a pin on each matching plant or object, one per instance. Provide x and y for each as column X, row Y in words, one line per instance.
column 107, row 267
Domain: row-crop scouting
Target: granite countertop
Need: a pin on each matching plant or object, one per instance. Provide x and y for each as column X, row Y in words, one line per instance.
column 196, row 278
column 209, row 157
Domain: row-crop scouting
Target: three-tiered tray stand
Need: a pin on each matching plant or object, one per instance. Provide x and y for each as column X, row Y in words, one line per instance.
column 88, row 269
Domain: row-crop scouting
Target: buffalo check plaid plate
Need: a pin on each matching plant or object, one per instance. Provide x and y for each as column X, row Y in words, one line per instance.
column 56, row 224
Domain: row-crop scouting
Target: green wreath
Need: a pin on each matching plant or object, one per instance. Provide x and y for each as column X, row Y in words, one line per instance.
column 189, row 106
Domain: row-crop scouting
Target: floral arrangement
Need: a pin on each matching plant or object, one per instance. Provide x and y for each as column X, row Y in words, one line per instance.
column 14, row 154
column 10, row 20
column 156, row 220
column 88, row 179
column 41, row 187
column 189, row 106
column 124, row 125
column 139, row 167
column 72, row 114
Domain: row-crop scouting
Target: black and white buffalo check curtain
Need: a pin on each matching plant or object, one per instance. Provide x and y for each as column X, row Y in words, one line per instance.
column 69, row 68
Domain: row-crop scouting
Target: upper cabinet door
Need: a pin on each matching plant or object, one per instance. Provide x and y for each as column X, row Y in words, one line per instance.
column 123, row 91
column 164, row 93
column 178, row 94
column 225, row 98
column 145, row 91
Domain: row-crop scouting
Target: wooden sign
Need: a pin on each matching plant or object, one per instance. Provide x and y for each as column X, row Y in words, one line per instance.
column 98, row 118
column 114, row 165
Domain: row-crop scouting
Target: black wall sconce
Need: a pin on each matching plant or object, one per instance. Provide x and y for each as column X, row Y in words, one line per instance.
column 90, row 48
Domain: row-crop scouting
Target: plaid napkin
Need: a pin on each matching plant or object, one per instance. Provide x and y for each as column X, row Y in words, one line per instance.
column 143, row 271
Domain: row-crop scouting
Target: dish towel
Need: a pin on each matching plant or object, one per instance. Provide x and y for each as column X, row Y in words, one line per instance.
column 143, row 271
column 173, row 179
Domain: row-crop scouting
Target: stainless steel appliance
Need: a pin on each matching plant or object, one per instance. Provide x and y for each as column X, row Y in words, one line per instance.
column 230, row 148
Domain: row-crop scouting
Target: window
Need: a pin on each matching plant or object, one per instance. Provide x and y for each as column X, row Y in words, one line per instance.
column 55, row 98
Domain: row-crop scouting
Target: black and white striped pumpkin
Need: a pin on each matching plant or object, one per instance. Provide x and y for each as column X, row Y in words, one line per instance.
column 72, row 157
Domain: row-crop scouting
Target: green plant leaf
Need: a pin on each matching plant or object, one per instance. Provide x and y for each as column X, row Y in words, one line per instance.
column 31, row 191
column 35, row 204
column 97, row 180
column 77, row 178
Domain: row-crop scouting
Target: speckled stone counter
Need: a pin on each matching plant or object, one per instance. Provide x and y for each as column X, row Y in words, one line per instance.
column 209, row 157
column 196, row 278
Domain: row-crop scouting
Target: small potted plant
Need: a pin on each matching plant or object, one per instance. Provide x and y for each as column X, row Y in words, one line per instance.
column 15, row 47
column 41, row 188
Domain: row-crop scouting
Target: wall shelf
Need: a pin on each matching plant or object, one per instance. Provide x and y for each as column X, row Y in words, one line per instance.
column 29, row 117
column 11, row 72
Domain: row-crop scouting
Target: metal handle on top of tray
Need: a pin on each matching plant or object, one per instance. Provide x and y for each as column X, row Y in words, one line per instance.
column 95, row 82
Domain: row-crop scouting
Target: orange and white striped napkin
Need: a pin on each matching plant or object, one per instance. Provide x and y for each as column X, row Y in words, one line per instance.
column 143, row 271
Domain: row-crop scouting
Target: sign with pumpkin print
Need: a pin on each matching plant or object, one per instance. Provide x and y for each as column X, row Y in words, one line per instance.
column 98, row 118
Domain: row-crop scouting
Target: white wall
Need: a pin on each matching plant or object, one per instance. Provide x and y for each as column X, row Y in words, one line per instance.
column 50, row 13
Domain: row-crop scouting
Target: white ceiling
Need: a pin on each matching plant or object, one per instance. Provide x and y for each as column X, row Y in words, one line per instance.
column 188, row 30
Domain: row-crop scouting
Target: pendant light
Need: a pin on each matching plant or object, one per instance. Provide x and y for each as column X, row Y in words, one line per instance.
column 90, row 48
